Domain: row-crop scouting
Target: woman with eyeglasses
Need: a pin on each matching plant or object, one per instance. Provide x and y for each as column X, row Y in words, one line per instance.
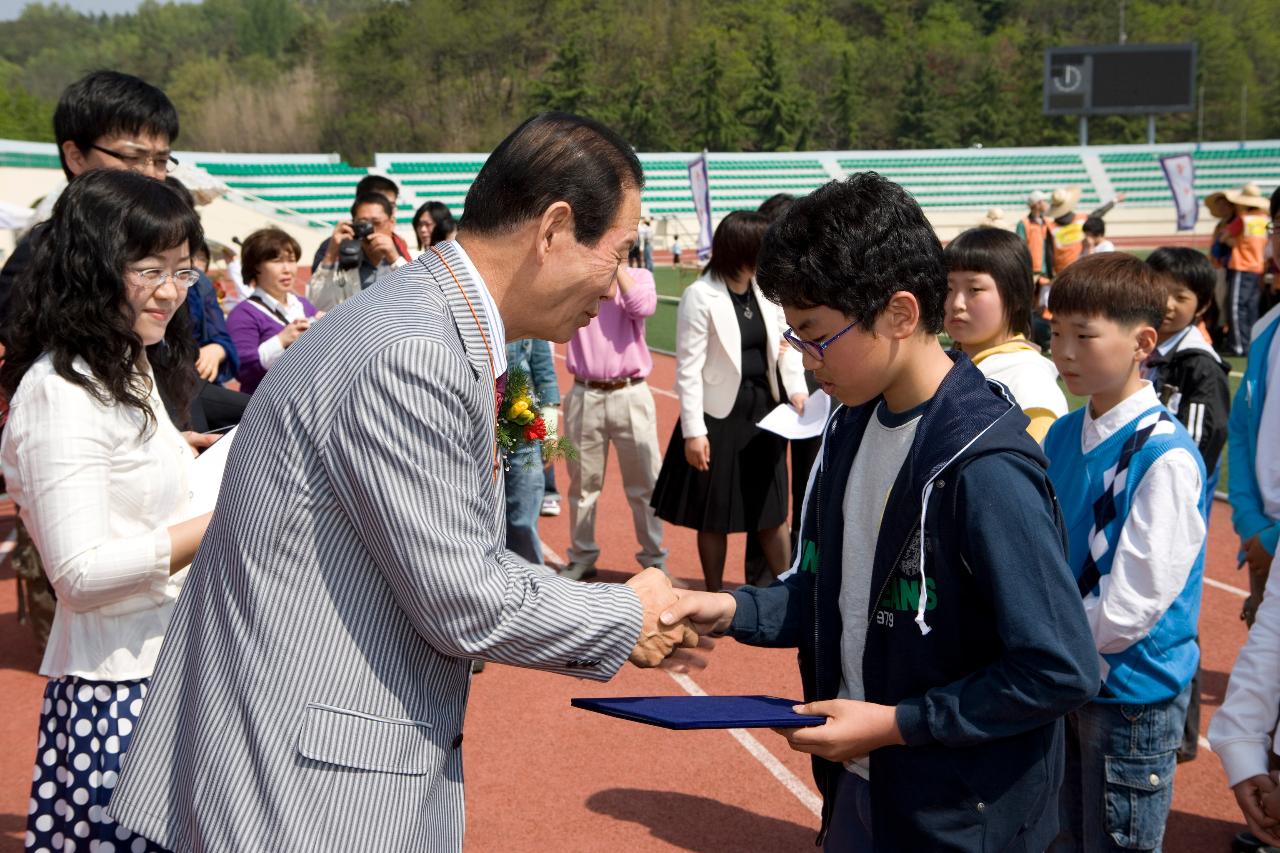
column 721, row 473
column 99, row 473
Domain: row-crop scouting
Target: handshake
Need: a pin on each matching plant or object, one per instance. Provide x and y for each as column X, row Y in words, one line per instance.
column 676, row 622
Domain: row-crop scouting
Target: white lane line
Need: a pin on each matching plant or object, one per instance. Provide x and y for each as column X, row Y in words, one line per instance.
column 758, row 751
column 1226, row 587
column 1204, row 743
column 663, row 391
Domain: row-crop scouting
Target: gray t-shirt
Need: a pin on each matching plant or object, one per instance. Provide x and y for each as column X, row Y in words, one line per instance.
column 875, row 468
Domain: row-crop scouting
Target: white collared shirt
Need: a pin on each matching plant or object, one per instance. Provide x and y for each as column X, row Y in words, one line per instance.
column 98, row 497
column 1161, row 540
column 495, row 330
column 270, row 350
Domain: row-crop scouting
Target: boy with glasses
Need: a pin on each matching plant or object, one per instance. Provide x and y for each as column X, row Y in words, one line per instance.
column 940, row 631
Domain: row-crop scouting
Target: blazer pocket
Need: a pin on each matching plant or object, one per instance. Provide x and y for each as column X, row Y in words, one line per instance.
column 362, row 741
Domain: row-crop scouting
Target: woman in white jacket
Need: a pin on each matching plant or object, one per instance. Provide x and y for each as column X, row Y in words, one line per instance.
column 722, row 474
column 100, row 476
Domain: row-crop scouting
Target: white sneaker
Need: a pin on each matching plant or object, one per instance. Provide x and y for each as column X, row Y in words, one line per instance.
column 550, row 505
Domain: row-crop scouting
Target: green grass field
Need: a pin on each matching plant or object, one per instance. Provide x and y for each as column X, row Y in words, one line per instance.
column 661, row 335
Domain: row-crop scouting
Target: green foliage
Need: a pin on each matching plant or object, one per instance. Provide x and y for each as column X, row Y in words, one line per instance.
column 430, row 75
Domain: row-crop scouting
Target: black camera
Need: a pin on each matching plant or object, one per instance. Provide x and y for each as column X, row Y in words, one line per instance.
column 349, row 250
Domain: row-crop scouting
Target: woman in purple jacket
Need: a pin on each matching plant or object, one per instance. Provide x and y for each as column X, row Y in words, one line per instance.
column 273, row 317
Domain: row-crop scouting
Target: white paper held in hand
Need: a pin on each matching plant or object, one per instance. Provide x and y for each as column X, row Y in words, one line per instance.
column 205, row 474
column 788, row 423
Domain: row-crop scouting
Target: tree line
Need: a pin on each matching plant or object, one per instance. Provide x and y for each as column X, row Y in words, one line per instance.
column 358, row 76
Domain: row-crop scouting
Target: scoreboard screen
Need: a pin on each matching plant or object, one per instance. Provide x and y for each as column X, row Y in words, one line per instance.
column 1136, row 79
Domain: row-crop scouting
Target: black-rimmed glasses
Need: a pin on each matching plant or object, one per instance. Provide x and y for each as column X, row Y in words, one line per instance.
column 137, row 162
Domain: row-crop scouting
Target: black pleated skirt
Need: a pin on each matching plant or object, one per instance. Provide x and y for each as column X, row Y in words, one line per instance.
column 746, row 487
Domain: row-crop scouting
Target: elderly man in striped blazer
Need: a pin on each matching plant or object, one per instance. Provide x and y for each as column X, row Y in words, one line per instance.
column 311, row 688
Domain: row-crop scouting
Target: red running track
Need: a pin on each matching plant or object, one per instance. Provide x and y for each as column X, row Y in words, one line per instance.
column 542, row 776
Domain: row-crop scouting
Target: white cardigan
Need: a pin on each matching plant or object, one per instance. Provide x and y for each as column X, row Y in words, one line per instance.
column 97, row 499
column 709, row 353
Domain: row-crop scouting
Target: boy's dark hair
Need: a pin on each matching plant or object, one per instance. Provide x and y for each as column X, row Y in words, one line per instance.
column 775, row 205
column 374, row 198
column 1095, row 226
column 1002, row 255
column 553, row 157
column 202, row 251
column 850, row 245
column 266, row 244
column 103, row 103
column 1186, row 267
column 736, row 244
column 1275, row 202
column 1113, row 285
column 377, row 184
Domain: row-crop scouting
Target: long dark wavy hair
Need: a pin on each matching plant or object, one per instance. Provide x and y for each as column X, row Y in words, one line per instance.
column 71, row 303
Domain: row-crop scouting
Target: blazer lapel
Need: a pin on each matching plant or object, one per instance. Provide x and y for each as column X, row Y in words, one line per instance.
column 466, row 304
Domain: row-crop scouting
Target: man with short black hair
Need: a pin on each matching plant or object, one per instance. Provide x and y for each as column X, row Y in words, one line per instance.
column 355, row 566
column 104, row 120
column 389, row 190
column 335, row 280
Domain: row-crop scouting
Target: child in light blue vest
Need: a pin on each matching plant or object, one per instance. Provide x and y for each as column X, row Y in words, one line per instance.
column 1130, row 481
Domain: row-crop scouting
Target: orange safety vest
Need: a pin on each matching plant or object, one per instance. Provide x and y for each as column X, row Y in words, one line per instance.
column 1035, row 233
column 1068, row 242
column 1250, row 249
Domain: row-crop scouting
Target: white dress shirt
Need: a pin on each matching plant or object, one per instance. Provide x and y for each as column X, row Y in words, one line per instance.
column 270, row 350
column 1162, row 536
column 494, row 328
column 97, row 497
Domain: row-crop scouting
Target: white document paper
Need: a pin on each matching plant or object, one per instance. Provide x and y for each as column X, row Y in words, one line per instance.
column 788, row 423
column 204, row 477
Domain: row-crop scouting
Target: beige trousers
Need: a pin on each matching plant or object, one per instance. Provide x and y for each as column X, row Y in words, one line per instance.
column 627, row 418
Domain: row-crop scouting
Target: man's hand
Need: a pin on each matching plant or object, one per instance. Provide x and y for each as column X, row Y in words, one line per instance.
column 698, row 453
column 656, row 643
column 1251, row 795
column 379, row 248
column 708, row 613
column 1256, row 555
column 290, row 333
column 341, row 231
column 208, row 360
column 852, row 730
column 798, row 400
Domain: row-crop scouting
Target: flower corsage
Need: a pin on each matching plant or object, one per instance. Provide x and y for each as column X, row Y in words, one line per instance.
column 521, row 422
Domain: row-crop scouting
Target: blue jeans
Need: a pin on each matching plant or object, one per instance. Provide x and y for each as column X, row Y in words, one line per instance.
column 850, row 828
column 524, row 481
column 1118, row 784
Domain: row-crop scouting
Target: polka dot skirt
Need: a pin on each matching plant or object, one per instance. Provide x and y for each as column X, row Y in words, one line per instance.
column 85, row 728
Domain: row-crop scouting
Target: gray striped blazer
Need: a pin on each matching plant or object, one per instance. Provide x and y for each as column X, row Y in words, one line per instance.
column 311, row 687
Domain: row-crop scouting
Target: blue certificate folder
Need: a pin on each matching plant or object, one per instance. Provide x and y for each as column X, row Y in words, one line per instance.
column 704, row 712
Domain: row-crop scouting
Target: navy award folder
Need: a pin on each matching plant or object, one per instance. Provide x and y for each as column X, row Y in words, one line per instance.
column 704, row 712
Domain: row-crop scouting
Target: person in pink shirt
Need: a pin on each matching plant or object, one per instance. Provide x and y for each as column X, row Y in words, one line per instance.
column 611, row 402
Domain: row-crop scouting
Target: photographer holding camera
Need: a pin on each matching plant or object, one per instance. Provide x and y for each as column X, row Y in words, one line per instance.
column 360, row 252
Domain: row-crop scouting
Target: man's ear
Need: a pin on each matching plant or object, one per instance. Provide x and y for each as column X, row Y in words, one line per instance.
column 555, row 225
column 74, row 156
